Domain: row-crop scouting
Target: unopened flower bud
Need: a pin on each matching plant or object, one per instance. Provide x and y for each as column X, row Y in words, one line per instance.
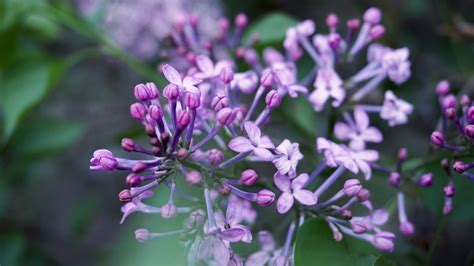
column 150, row 130
column 358, row 227
column 215, row 157
column 183, row 119
column 449, row 190
column 352, row 187
column 196, row 219
column 142, row 235
column 192, row 100
column 394, row 179
column 139, row 167
column 133, row 180
column 450, row 113
column 460, row 167
column 248, row 177
column 469, row 131
column 218, row 102
column 372, row 16
column 334, row 40
column 182, row 153
column 144, row 92
column 426, row 180
column 337, row 236
column 193, row 20
column 346, row 214
column 104, row 159
column 402, row 154
column 168, row 210
column 265, row 197
column 448, row 101
column 193, row 178
column 332, row 20
column 407, row 228
column 377, row 32
column 266, row 80
column 225, row 116
column 138, row 111
column 442, row 88
column 383, row 241
column 171, row 92
column 241, row 20
column 363, row 195
column 273, row 99
column 251, row 56
column 125, row 195
column 437, row 138
column 353, row 24
column 128, row 144
column 465, row 100
column 447, row 208
column 155, row 112
column 470, row 114
column 224, row 189
column 226, row 75
column 223, row 24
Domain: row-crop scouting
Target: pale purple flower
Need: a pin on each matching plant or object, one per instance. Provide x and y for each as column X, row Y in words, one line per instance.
column 137, row 206
column 187, row 83
column 208, row 69
column 212, row 247
column 103, row 160
column 328, row 85
column 230, row 229
column 256, row 143
column 358, row 131
column 249, row 214
column 293, row 189
column 287, row 157
column 376, row 52
column 246, row 82
column 325, row 51
column 266, row 252
column 384, row 241
column 291, row 44
column 395, row 110
column 285, row 75
column 305, row 28
column 371, row 222
column 396, row 65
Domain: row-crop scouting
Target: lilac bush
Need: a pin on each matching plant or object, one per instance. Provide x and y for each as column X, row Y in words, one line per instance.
column 214, row 114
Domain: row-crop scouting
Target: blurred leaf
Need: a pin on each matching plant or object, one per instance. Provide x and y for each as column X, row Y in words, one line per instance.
column 315, row 245
column 43, row 25
column 12, row 245
column 40, row 136
column 266, row 28
column 82, row 215
column 383, row 261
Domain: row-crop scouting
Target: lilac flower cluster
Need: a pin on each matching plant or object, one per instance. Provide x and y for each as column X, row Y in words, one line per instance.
column 455, row 134
column 200, row 124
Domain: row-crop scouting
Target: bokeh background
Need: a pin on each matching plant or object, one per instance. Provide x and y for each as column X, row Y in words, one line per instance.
column 67, row 70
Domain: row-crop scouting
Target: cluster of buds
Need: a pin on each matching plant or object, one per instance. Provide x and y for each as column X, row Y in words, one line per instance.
column 202, row 127
column 454, row 134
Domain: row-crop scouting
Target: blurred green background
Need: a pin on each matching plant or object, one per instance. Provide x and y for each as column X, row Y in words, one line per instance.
column 65, row 87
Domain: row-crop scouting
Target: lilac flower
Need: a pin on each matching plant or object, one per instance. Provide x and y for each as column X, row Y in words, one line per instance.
column 256, row 143
column 291, row 44
column 246, row 82
column 230, row 229
column 137, row 206
column 187, row 83
column 103, row 160
column 266, row 252
column 396, row 65
column 328, row 84
column 293, row 189
column 287, row 157
column 208, row 69
column 359, row 132
column 212, row 248
column 285, row 76
column 249, row 214
column 395, row 110
column 373, row 221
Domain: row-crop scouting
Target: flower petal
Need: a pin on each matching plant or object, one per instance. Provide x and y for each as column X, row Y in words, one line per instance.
column 263, row 154
column 372, row 134
column 361, row 119
column 253, row 131
column 380, row 217
column 342, row 131
column 240, row 144
column 234, row 213
column 282, row 164
column 265, row 142
column 299, row 181
column 282, row 182
column 284, row 203
column 234, row 234
column 258, row 258
column 191, row 82
column 305, row 197
column 205, row 64
column 172, row 75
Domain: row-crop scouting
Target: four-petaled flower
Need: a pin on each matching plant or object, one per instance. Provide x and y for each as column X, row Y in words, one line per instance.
column 395, row 110
column 328, row 84
column 396, row 65
column 287, row 157
column 256, row 143
column 293, row 189
column 358, row 132
column 208, row 69
column 185, row 84
column 230, row 229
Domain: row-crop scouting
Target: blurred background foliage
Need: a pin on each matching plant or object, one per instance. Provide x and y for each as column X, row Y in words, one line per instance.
column 65, row 87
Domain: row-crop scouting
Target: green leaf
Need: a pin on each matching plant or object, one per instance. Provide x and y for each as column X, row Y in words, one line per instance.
column 383, row 261
column 271, row 28
column 40, row 136
column 315, row 245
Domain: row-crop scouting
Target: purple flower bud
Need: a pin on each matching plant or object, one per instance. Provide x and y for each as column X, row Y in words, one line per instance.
column 144, row 92
column 353, row 24
column 155, row 112
column 449, row 191
column 402, row 154
column 346, row 214
column 171, row 92
column 215, row 156
column 168, row 210
column 383, row 241
column 142, row 235
column 225, row 116
column 377, row 32
column 469, row 131
column 193, row 178
column 442, row 88
column 372, row 16
column 266, row 80
column 448, row 101
column 460, row 167
column 183, row 119
column 248, row 177
column 437, row 138
column 426, row 180
column 219, row 102
column 394, row 179
column 133, row 180
column 193, row 20
column 105, row 159
column 241, row 20
column 332, row 20
column 470, row 114
column 337, row 236
column 352, row 187
column 182, row 153
column 273, row 99
column 125, row 195
column 192, row 100
column 358, row 227
column 224, row 189
column 128, row 144
column 465, row 100
column 139, row 167
column 363, row 195
column 265, row 197
column 138, row 111
column 226, row 75
column 196, row 219
column 334, row 40
column 450, row 113
column 407, row 228
column 223, row 24
column 251, row 56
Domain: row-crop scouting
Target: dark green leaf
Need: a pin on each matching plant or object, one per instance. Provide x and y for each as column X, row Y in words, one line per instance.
column 266, row 28
column 383, row 261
